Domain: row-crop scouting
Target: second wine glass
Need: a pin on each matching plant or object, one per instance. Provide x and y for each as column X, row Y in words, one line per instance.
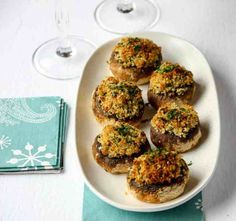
column 126, row 16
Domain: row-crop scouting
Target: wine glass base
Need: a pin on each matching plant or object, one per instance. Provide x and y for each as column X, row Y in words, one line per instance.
column 48, row 63
column 144, row 15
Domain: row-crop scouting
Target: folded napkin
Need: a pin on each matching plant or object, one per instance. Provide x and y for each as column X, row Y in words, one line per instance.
column 32, row 134
column 95, row 209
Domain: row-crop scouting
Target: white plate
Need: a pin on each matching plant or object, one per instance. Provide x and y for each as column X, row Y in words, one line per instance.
column 112, row 188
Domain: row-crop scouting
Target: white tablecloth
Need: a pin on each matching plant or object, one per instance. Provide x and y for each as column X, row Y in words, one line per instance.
column 25, row 24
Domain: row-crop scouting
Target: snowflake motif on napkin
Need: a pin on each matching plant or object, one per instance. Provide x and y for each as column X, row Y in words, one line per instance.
column 5, row 142
column 31, row 157
column 198, row 204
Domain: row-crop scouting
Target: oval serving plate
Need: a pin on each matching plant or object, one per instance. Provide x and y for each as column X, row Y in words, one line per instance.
column 113, row 188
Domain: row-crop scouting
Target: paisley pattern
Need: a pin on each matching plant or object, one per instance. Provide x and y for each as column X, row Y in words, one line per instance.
column 15, row 110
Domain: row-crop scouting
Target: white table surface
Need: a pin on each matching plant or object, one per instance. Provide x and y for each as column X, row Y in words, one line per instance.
column 210, row 25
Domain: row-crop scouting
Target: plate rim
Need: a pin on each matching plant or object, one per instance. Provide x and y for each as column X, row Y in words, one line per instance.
column 202, row 186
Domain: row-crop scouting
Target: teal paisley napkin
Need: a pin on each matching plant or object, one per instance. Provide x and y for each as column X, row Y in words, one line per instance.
column 96, row 210
column 32, row 134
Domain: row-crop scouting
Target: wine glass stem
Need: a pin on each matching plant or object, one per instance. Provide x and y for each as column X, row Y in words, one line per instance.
column 62, row 19
column 125, row 6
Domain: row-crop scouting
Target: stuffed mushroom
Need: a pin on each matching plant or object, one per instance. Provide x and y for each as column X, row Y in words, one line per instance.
column 158, row 176
column 176, row 126
column 170, row 82
column 134, row 59
column 117, row 146
column 115, row 100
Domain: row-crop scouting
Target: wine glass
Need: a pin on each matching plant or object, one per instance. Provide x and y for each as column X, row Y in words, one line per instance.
column 63, row 57
column 126, row 16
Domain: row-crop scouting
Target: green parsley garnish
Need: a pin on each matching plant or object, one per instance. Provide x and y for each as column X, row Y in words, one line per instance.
column 166, row 69
column 136, row 39
column 123, row 130
column 171, row 114
column 132, row 91
column 137, row 48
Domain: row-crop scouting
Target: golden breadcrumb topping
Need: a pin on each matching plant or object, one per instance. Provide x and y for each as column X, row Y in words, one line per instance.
column 119, row 99
column 157, row 167
column 121, row 139
column 171, row 80
column 175, row 117
column 136, row 52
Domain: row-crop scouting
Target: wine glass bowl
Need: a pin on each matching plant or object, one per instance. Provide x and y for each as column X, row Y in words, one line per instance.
column 62, row 63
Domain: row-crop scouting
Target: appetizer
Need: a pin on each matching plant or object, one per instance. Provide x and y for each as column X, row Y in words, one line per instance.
column 134, row 59
column 117, row 146
column 158, row 176
column 115, row 100
column 168, row 82
column 176, row 126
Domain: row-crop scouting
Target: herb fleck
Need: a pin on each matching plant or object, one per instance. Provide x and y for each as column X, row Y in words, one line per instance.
column 183, row 109
column 190, row 163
